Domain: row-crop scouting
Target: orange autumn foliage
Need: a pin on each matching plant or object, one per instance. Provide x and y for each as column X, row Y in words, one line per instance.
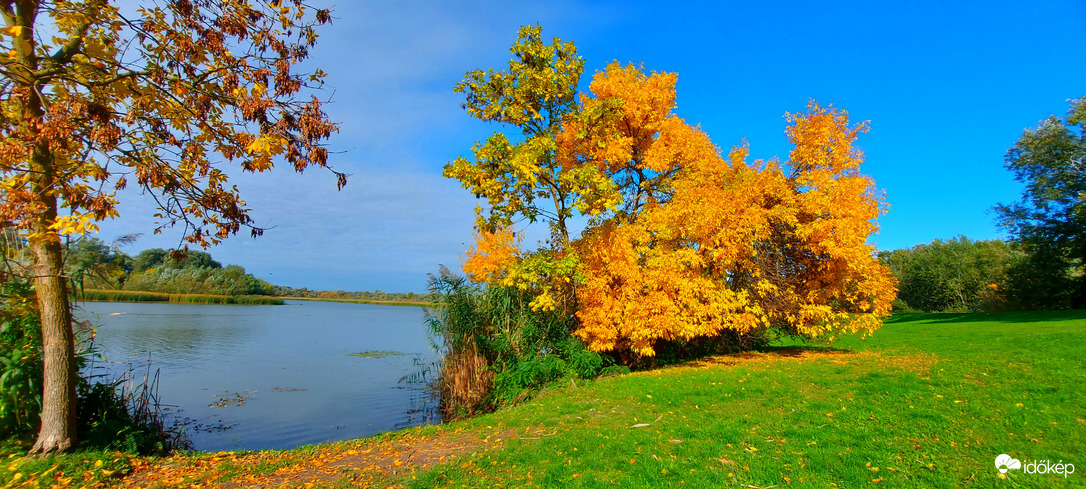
column 684, row 244
column 719, row 245
column 489, row 259
column 629, row 134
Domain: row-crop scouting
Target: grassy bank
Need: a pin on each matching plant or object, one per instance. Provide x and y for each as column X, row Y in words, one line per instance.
column 366, row 301
column 929, row 401
column 105, row 295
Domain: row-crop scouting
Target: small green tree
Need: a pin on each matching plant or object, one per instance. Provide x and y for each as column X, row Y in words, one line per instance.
column 520, row 176
column 148, row 258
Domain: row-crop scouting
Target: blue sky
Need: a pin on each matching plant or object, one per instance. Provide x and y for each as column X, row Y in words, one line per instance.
column 948, row 88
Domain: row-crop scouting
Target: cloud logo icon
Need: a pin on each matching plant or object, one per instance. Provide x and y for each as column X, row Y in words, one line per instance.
column 1004, row 463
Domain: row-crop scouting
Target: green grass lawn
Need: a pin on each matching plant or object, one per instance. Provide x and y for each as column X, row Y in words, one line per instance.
column 929, row 401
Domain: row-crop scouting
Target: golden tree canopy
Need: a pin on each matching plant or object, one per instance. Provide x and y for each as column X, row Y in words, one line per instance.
column 684, row 243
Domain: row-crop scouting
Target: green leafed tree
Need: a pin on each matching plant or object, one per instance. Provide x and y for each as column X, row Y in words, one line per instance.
column 97, row 95
column 1049, row 222
column 518, row 174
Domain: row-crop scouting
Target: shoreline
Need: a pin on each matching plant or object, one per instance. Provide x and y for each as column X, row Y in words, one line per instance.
column 365, row 301
column 926, row 387
column 107, row 295
column 110, row 295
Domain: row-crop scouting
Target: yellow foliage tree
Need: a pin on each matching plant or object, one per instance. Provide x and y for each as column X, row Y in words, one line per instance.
column 518, row 174
column 710, row 245
column 685, row 244
column 492, row 255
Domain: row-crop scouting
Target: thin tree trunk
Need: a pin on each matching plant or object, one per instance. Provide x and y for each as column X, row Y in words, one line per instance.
column 58, row 397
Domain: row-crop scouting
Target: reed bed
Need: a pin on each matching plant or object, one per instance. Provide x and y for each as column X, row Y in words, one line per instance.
column 103, row 295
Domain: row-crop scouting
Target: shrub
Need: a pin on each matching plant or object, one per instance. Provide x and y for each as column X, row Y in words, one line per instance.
column 20, row 359
column 497, row 348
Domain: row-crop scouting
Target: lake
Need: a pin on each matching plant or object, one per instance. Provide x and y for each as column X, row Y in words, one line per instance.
column 261, row 377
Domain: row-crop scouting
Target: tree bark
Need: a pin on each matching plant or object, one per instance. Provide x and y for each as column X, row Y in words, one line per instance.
column 58, row 424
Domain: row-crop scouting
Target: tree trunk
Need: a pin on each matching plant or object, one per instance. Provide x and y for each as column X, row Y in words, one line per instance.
column 58, row 423
column 58, row 398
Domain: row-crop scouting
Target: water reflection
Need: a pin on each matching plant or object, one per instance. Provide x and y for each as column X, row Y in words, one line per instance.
column 289, row 365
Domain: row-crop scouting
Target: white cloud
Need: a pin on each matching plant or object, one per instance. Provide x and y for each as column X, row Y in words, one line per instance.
column 391, row 69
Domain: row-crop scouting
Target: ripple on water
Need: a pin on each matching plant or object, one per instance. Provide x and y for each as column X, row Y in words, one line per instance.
column 291, row 363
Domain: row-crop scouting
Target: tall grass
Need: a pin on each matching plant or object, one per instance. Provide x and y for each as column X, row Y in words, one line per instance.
column 122, row 412
column 104, row 295
column 497, row 349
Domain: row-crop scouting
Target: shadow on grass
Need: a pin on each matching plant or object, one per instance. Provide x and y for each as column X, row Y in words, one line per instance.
column 804, row 350
column 988, row 317
column 770, row 353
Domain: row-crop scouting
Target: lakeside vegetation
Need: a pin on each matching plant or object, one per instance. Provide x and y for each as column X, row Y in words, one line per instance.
column 367, row 301
column 358, row 296
column 114, row 413
column 100, row 295
column 928, row 401
column 97, row 265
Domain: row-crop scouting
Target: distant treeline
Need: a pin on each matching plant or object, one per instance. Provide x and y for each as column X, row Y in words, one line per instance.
column 377, row 295
column 964, row 275
column 96, row 265
column 957, row 275
column 141, row 296
column 100, row 267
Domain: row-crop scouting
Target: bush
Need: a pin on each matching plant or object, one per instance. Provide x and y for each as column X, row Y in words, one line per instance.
column 20, row 360
column 497, row 349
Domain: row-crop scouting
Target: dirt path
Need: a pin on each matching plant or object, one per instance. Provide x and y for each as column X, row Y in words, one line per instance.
column 379, row 462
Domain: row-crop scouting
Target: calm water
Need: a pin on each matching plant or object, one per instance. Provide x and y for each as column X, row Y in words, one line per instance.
column 257, row 377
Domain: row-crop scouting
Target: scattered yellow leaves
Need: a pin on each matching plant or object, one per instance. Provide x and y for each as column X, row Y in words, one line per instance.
column 74, row 224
